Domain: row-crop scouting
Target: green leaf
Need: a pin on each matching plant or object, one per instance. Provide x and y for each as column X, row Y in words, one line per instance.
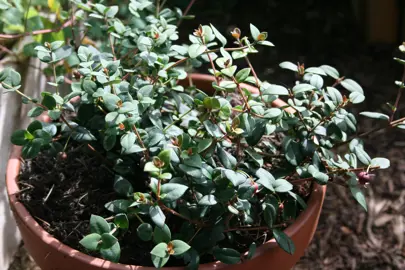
column 159, row 262
column 33, row 126
column 109, row 141
column 212, row 129
column 356, row 97
column 269, row 214
column 144, row 231
column 157, row 215
column 18, row 137
column 382, row 162
column 150, row 167
column 111, row 11
column 91, row 241
column 128, row 140
column 254, row 32
column 257, row 158
column 315, row 70
column 226, row 255
column 362, row 155
column 162, row 234
column 282, row 185
column 335, row 95
column 303, row 87
column 196, row 49
column 229, row 71
column 289, row 65
column 191, row 171
column 61, row 53
column 36, row 111
column 331, row 71
column 375, row 115
column 242, row 75
column 298, row 199
column 246, row 192
column 111, row 101
column 54, row 114
column 204, row 144
column 207, row 200
column 273, row 89
column 193, row 161
column 266, row 179
column 180, row 247
column 272, row 113
column 118, row 206
column 49, row 102
column 284, row 241
column 321, row 178
column 265, row 43
column 127, row 107
column 160, row 250
column 32, row 148
column 108, row 240
column 358, row 195
column 10, row 78
column 226, row 159
column 122, row 186
column 236, row 178
column 165, row 157
column 172, row 192
column 352, row 86
column 252, row 251
column 121, row 221
column 112, row 254
column 316, row 81
column 219, row 36
column 98, row 225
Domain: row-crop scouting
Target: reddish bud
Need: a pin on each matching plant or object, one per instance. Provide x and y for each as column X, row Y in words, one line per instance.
column 62, row 155
column 236, row 33
column 365, row 177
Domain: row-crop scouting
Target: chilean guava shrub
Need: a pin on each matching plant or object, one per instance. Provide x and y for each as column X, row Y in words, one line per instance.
column 224, row 166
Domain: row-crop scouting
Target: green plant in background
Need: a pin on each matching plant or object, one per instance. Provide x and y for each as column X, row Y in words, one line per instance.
column 213, row 161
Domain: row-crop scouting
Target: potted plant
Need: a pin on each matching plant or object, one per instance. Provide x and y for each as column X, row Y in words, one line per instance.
column 159, row 167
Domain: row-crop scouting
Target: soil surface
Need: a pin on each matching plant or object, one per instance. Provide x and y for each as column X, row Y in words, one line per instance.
column 62, row 194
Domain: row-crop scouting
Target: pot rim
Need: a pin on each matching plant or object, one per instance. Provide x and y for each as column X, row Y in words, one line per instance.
column 13, row 169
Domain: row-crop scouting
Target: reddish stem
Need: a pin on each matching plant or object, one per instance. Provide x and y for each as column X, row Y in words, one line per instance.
column 38, row 32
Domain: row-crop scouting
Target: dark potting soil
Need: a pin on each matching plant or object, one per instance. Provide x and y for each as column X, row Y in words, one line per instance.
column 62, row 194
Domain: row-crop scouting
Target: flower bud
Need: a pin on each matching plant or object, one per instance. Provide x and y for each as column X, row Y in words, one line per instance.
column 365, row 177
column 236, row 33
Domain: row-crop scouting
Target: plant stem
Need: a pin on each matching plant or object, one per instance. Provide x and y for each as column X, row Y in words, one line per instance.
column 299, row 113
column 157, row 8
column 302, row 180
column 54, row 75
column 195, row 234
column 37, row 32
column 180, row 215
column 111, row 41
column 174, row 122
column 26, row 16
column 186, row 11
column 398, row 96
column 247, row 106
column 146, row 152
column 208, row 51
column 337, row 82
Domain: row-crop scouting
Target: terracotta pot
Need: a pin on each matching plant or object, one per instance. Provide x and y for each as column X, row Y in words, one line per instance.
column 50, row 254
